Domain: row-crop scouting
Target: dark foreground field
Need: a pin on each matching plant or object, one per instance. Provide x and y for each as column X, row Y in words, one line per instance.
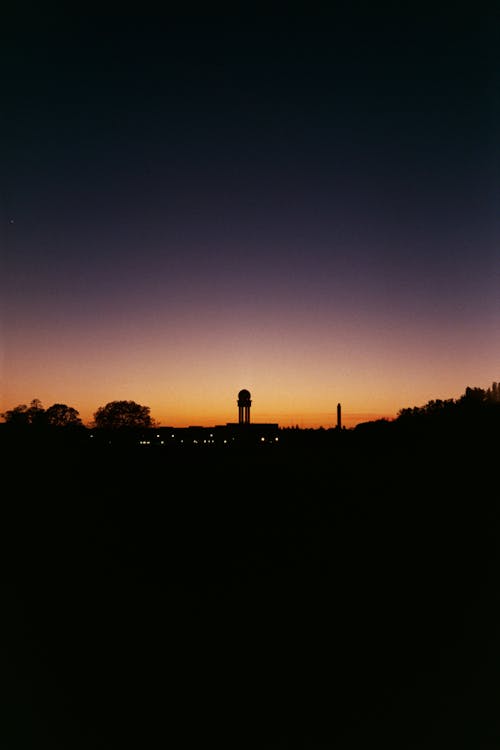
column 337, row 598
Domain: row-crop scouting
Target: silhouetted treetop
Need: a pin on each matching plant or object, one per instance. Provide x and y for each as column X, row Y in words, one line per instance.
column 60, row 415
column 475, row 404
column 18, row 416
column 35, row 417
column 23, row 416
column 123, row 414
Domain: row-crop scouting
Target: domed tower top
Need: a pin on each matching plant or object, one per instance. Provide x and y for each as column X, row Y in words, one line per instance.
column 244, row 404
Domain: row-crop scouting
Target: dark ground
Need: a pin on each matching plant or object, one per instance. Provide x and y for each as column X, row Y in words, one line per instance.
column 339, row 598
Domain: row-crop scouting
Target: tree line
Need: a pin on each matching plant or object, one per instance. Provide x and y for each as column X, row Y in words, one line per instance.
column 473, row 401
column 476, row 410
column 114, row 415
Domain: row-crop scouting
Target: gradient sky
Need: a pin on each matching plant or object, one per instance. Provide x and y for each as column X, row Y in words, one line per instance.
column 303, row 204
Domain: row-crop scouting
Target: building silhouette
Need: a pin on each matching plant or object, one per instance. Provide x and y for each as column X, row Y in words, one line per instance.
column 244, row 404
column 244, row 432
column 244, row 429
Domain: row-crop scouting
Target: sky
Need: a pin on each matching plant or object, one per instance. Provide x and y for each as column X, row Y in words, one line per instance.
column 302, row 203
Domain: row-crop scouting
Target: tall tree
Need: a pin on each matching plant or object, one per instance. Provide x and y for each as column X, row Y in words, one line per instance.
column 18, row 416
column 60, row 415
column 22, row 415
column 123, row 414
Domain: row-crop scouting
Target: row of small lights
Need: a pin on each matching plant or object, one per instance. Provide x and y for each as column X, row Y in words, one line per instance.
column 205, row 442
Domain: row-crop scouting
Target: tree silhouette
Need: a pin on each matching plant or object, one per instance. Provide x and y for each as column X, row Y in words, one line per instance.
column 123, row 414
column 34, row 415
column 23, row 416
column 60, row 415
column 17, row 417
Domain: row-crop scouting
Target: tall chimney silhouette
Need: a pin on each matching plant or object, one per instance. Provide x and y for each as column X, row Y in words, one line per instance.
column 339, row 417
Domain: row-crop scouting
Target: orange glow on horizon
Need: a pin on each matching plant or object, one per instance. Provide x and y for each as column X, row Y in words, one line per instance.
column 199, row 384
